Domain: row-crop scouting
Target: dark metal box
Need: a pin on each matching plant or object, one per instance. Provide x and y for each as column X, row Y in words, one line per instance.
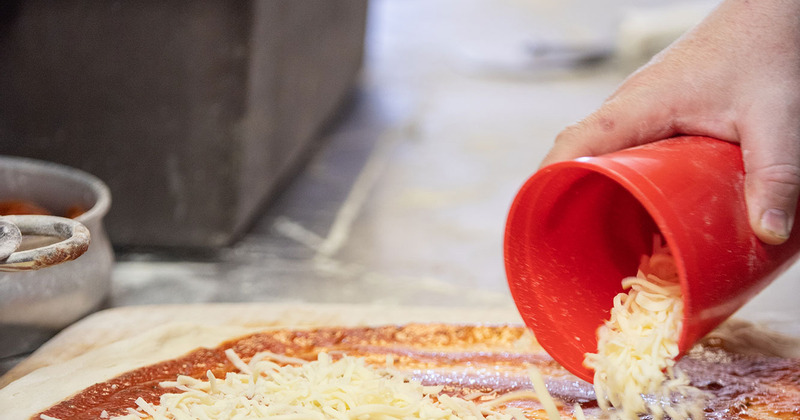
column 191, row 111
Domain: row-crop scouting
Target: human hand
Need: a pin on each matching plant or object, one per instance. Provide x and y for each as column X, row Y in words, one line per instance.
column 734, row 77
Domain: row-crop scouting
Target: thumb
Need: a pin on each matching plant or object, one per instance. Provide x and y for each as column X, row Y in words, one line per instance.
column 623, row 121
column 772, row 183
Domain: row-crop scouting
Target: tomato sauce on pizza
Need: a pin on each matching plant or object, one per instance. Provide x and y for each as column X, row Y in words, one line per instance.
column 478, row 363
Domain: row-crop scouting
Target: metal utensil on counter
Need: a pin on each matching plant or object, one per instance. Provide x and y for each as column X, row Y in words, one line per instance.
column 74, row 241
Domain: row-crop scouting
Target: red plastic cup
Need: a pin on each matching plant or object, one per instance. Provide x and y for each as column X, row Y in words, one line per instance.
column 577, row 228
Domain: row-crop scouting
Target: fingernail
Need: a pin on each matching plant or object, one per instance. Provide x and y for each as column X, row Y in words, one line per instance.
column 776, row 222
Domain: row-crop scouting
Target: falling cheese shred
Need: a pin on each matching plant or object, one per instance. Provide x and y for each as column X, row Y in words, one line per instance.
column 634, row 367
column 346, row 388
column 543, row 394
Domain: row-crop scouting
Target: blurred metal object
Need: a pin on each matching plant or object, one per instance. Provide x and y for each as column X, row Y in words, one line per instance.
column 10, row 239
column 74, row 241
column 36, row 304
column 569, row 55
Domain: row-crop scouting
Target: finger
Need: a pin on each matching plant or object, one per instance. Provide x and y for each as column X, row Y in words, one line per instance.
column 626, row 120
column 771, row 153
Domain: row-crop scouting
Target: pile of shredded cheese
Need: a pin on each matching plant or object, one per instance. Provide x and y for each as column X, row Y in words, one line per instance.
column 636, row 348
column 279, row 387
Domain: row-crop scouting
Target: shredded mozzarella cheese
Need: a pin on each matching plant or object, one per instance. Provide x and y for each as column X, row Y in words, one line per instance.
column 577, row 412
column 636, row 348
column 323, row 389
column 543, row 394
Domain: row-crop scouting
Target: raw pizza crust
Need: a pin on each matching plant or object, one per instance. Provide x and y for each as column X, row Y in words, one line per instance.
column 116, row 341
column 49, row 385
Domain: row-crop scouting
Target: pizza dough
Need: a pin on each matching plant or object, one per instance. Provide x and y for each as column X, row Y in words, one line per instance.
column 49, row 385
column 115, row 341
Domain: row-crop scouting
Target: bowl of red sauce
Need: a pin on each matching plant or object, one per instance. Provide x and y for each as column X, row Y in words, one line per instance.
column 34, row 305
